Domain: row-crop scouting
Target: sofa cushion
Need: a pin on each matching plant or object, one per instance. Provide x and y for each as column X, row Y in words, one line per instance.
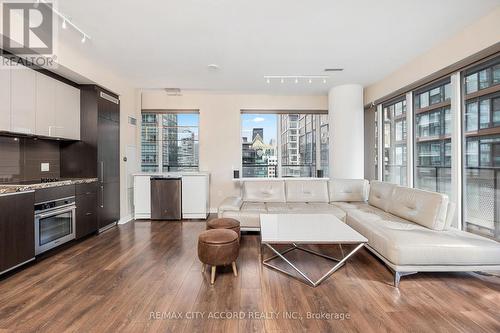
column 380, row 194
column 326, row 208
column 254, row 206
column 231, row 203
column 405, row 243
column 276, row 207
column 264, row 191
column 306, row 190
column 247, row 218
column 348, row 190
column 423, row 207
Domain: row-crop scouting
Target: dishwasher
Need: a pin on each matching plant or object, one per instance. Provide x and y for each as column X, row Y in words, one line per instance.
column 166, row 197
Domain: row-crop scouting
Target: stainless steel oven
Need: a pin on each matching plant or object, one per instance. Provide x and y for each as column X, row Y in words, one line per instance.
column 54, row 223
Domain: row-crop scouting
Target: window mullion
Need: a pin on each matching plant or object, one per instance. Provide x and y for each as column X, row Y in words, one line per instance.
column 456, row 148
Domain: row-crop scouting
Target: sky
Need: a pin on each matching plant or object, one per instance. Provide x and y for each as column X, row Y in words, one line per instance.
column 266, row 121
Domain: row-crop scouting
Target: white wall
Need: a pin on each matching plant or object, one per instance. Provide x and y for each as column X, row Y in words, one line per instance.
column 220, row 133
column 346, row 126
column 476, row 37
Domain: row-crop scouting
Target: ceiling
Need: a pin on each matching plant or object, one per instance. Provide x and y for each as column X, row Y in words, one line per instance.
column 156, row 44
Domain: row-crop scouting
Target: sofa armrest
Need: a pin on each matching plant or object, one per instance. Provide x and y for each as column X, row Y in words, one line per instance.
column 231, row 203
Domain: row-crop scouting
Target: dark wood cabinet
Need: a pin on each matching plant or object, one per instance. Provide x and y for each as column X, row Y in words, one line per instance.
column 98, row 152
column 86, row 209
column 17, row 230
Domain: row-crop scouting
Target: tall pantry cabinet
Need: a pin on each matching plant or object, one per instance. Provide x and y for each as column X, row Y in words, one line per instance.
column 98, row 153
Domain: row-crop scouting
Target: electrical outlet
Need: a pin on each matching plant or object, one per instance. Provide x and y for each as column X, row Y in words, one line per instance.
column 44, row 167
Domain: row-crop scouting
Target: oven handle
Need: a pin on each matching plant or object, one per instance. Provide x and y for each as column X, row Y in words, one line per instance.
column 58, row 208
column 69, row 208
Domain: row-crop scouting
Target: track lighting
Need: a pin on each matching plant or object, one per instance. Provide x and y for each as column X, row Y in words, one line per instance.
column 296, row 78
column 65, row 21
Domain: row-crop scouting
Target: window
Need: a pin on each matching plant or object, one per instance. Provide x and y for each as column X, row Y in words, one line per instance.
column 170, row 142
column 481, row 137
column 432, row 167
column 394, row 142
column 284, row 145
column 486, row 76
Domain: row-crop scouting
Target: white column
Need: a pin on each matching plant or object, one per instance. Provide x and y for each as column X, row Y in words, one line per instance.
column 346, row 127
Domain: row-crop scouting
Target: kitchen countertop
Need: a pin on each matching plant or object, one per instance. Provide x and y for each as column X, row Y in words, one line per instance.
column 13, row 188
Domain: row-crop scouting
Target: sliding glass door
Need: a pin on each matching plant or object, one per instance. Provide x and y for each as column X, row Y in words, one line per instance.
column 481, row 135
column 432, row 133
column 394, row 142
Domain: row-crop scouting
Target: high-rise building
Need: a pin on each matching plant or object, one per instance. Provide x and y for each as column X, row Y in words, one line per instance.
column 258, row 131
column 149, row 149
column 304, row 149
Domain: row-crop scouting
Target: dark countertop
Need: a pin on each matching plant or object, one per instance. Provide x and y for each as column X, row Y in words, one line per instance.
column 13, row 188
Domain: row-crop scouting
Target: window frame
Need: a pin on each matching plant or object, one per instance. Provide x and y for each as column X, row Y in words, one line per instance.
column 161, row 142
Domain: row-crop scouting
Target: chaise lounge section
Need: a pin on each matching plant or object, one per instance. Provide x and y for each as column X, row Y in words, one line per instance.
column 408, row 229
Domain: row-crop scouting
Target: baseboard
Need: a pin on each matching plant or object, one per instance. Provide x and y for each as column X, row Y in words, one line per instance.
column 125, row 219
column 214, row 210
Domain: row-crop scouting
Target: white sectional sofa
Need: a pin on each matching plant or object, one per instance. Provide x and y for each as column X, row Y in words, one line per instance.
column 408, row 229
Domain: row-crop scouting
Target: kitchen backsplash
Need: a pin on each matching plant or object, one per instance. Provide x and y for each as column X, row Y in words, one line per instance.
column 21, row 158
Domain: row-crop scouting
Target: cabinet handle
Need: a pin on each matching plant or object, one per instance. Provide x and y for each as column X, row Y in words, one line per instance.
column 102, row 171
column 102, row 196
column 88, row 214
column 88, row 193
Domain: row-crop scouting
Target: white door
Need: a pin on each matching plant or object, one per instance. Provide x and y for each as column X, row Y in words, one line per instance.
column 23, row 85
column 45, row 105
column 5, row 116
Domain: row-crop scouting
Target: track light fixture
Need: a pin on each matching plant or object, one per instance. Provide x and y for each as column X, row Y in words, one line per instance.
column 66, row 21
column 296, row 78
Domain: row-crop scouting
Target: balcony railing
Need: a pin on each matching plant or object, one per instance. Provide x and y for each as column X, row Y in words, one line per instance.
column 272, row 170
column 481, row 195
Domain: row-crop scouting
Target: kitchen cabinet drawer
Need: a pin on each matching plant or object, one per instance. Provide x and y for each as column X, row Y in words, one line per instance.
column 17, row 231
column 86, row 188
column 53, row 193
column 86, row 214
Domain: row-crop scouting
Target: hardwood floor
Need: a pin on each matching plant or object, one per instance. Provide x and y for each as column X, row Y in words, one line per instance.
column 130, row 279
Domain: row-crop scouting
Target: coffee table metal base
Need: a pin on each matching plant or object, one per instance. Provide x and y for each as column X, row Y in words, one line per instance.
column 305, row 278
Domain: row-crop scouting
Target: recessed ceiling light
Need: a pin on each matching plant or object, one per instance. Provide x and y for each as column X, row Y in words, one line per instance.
column 213, row 67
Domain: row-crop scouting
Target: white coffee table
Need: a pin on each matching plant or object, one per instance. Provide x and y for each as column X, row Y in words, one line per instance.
column 301, row 229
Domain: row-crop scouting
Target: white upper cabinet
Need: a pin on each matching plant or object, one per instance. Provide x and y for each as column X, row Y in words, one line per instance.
column 5, row 117
column 45, row 105
column 23, row 100
column 67, row 111
column 35, row 103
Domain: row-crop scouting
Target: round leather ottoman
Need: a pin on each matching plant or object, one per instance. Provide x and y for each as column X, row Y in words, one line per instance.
column 218, row 247
column 225, row 223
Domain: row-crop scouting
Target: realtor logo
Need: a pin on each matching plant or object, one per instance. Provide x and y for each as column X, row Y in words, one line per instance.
column 28, row 28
